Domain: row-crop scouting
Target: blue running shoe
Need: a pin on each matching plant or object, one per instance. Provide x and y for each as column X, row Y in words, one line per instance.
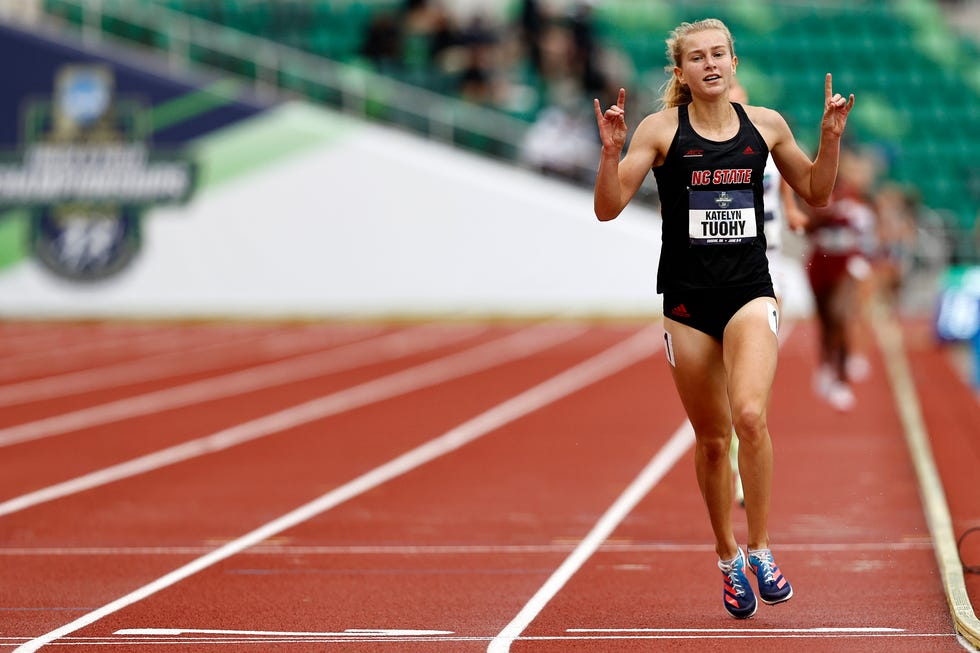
column 739, row 598
column 773, row 586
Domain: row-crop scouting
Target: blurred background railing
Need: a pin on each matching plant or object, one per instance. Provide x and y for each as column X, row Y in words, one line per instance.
column 282, row 49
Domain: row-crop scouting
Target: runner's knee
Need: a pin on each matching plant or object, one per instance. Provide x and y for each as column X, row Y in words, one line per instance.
column 750, row 424
column 716, row 446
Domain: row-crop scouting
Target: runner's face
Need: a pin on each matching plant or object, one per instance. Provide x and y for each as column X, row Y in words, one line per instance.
column 707, row 63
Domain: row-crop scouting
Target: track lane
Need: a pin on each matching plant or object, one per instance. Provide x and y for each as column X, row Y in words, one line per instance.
column 847, row 526
column 942, row 425
column 45, row 419
column 80, row 347
column 93, row 514
column 104, row 434
column 413, row 514
column 212, row 354
column 522, row 376
column 334, row 444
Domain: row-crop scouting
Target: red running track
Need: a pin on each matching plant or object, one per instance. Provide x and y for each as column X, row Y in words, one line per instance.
column 443, row 488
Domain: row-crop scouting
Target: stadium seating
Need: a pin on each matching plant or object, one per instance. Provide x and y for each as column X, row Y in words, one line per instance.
column 918, row 94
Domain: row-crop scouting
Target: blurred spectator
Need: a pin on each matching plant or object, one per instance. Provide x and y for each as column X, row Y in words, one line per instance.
column 586, row 53
column 409, row 40
column 561, row 143
column 383, row 44
column 428, row 32
column 531, row 25
column 544, row 68
column 896, row 211
column 479, row 80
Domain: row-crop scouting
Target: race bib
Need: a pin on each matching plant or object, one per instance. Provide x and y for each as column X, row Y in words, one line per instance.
column 721, row 217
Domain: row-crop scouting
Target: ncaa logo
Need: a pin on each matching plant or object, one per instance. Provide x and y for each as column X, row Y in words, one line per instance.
column 87, row 175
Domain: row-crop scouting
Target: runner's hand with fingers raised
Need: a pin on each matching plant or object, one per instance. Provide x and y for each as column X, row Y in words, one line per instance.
column 835, row 110
column 612, row 124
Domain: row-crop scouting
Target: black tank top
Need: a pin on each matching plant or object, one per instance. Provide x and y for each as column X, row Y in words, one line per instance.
column 712, row 209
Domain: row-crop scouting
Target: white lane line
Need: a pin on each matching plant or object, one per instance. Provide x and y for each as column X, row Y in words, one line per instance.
column 443, row 369
column 656, row 469
column 455, row 549
column 729, row 631
column 200, row 357
column 358, row 632
column 733, row 634
column 254, row 378
column 24, row 363
column 592, row 370
column 739, row 633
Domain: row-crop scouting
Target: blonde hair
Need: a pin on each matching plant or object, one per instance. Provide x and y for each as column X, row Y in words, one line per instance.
column 673, row 92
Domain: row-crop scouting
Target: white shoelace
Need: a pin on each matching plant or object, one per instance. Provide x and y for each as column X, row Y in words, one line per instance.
column 733, row 578
column 765, row 561
column 735, row 573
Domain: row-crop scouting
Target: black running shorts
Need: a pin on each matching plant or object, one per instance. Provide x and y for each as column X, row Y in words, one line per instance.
column 710, row 310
